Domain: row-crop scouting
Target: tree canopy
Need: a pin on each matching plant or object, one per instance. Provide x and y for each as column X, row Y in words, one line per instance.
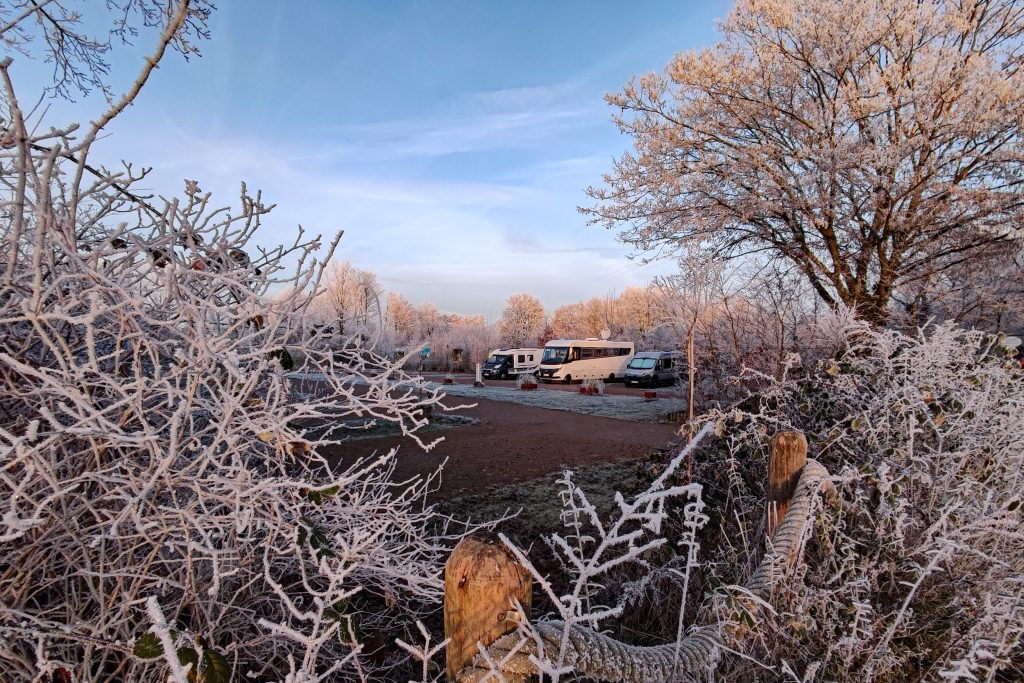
column 522, row 321
column 871, row 144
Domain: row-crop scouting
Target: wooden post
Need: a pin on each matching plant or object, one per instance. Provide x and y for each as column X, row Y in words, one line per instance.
column 482, row 580
column 785, row 463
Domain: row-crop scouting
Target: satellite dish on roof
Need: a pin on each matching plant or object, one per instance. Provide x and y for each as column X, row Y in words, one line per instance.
column 605, row 333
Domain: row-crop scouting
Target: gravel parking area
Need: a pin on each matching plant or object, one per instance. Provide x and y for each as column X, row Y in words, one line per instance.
column 617, row 407
column 618, row 403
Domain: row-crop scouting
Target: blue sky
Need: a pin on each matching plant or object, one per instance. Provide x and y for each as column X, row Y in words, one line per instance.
column 452, row 141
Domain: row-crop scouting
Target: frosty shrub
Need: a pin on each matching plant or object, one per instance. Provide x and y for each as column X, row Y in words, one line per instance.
column 590, row 548
column 919, row 575
column 593, row 550
column 165, row 510
column 527, row 378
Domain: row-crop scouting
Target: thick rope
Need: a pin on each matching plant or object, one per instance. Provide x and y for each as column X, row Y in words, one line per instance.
column 595, row 655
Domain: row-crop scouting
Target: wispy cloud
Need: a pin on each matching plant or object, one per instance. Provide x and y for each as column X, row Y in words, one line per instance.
column 460, row 239
column 473, row 122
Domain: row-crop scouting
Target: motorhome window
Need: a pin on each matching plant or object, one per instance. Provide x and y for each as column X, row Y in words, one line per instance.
column 554, row 354
column 531, row 357
column 641, row 363
column 588, row 353
column 522, row 358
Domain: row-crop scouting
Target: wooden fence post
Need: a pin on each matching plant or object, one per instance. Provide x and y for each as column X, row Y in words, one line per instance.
column 481, row 579
column 785, row 463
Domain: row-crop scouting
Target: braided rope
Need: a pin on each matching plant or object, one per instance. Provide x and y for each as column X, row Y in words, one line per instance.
column 595, row 655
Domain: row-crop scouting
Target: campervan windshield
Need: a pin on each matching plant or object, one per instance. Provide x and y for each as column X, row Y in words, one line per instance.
column 555, row 354
column 496, row 358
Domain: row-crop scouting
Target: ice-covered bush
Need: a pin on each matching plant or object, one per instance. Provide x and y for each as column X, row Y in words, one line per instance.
column 581, row 640
column 919, row 575
column 166, row 504
column 528, row 379
column 589, row 549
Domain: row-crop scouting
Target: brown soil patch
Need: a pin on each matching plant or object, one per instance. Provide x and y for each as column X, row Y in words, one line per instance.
column 513, row 444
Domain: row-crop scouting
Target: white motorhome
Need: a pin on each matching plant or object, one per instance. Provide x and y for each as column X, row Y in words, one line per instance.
column 571, row 360
column 501, row 363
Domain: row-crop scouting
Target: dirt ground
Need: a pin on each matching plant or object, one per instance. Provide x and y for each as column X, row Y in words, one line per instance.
column 515, row 443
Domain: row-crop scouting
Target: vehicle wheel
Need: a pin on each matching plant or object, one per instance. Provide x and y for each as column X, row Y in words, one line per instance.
column 503, row 374
column 650, row 382
column 611, row 377
column 567, row 379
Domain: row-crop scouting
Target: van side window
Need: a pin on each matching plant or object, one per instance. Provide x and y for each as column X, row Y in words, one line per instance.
column 667, row 363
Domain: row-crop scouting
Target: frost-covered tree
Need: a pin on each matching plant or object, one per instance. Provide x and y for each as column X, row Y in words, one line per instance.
column 636, row 312
column 871, row 144
column 688, row 299
column 428, row 321
column 400, row 320
column 522, row 321
column 351, row 299
column 462, row 341
column 597, row 315
column 630, row 315
column 168, row 510
column 567, row 322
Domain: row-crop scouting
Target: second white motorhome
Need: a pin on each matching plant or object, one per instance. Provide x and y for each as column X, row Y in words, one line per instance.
column 503, row 363
column 573, row 360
